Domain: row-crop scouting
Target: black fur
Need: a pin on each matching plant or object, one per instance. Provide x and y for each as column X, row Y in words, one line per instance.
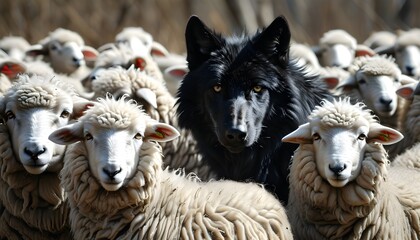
column 240, row 97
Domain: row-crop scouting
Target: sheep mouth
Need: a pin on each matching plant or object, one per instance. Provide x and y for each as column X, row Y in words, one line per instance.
column 338, row 181
column 35, row 168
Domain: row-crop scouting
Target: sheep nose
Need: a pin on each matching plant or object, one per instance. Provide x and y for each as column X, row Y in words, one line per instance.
column 111, row 170
column 337, row 168
column 410, row 70
column 235, row 135
column 385, row 101
column 34, row 153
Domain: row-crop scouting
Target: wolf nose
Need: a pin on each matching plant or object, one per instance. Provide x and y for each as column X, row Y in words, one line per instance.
column 235, row 135
column 337, row 168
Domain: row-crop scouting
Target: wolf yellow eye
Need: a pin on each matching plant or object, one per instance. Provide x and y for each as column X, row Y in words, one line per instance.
column 257, row 88
column 217, row 88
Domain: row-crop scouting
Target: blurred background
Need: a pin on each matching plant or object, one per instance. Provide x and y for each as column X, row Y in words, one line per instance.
column 98, row 21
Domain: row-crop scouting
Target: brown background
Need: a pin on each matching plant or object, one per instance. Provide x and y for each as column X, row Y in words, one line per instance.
column 98, row 21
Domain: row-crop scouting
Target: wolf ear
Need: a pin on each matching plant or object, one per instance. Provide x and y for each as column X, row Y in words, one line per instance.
column 274, row 41
column 200, row 40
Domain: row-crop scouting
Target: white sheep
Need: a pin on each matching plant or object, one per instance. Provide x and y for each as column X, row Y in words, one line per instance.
column 304, row 56
column 66, row 51
column 117, row 188
column 337, row 48
column 14, row 46
column 406, row 51
column 5, row 84
column 380, row 39
column 341, row 184
column 34, row 203
column 333, row 78
column 159, row 104
column 374, row 80
column 121, row 55
column 410, row 119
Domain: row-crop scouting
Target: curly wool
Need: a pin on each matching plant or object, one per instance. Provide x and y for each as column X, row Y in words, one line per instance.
column 179, row 153
column 34, row 205
column 373, row 206
column 157, row 204
column 375, row 65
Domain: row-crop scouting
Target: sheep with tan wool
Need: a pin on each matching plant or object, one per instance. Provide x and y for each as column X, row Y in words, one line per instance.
column 66, row 51
column 118, row 190
column 375, row 80
column 34, row 204
column 341, row 184
column 159, row 104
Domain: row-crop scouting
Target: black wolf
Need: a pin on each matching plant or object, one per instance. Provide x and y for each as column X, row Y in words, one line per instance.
column 240, row 97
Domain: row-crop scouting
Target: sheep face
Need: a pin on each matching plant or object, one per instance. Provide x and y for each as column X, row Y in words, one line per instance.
column 339, row 136
column 113, row 153
column 408, row 59
column 113, row 136
column 378, row 92
column 65, row 57
column 337, row 55
column 339, row 151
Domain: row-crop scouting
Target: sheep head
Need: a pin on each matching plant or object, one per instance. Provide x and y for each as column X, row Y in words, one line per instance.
column 32, row 109
column 113, row 132
column 339, row 133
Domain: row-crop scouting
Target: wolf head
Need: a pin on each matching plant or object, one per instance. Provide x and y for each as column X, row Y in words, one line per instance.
column 230, row 82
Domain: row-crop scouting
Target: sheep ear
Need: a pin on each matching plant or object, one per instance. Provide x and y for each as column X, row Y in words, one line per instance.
column 331, row 81
column 362, row 50
column 68, row 134
column 148, row 95
column 36, row 50
column 348, row 84
column 160, row 132
column 12, row 68
column 80, row 105
column 140, row 63
column 406, row 91
column 177, row 71
column 90, row 53
column 158, row 50
column 407, row 80
column 384, row 135
column 302, row 135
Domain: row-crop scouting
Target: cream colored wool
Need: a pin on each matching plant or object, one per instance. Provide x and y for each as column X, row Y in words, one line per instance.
column 382, row 202
column 5, row 84
column 337, row 36
column 179, row 153
column 376, row 65
column 34, row 205
column 158, row 204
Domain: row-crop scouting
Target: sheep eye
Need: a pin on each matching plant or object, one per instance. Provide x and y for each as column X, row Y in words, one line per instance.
column 65, row 114
column 361, row 137
column 316, row 136
column 257, row 88
column 362, row 81
column 88, row 136
column 138, row 136
column 10, row 115
column 217, row 88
